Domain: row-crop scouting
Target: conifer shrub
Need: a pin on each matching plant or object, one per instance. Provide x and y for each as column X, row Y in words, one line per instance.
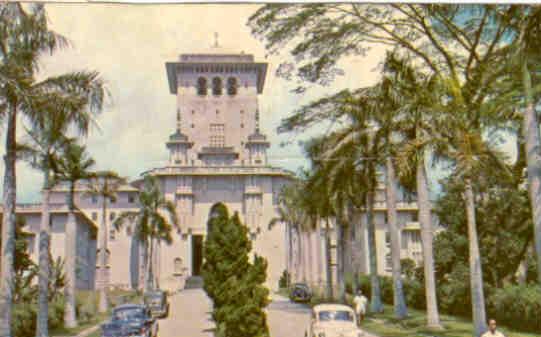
column 233, row 283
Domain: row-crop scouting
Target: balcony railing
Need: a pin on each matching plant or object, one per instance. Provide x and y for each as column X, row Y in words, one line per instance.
column 229, row 170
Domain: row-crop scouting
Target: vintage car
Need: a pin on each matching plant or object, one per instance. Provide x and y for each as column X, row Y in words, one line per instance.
column 333, row 320
column 157, row 302
column 300, row 292
column 130, row 320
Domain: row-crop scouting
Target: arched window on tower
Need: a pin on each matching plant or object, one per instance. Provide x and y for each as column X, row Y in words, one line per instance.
column 202, row 86
column 217, row 86
column 232, row 86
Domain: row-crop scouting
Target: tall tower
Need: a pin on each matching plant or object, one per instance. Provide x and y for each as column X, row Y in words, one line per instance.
column 217, row 101
column 218, row 155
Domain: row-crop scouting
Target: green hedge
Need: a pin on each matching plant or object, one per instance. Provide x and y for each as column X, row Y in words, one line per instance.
column 517, row 306
column 25, row 315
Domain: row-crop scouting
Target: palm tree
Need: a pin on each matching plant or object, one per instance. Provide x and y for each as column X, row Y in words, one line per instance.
column 104, row 184
column 74, row 165
column 418, row 94
column 318, row 205
column 151, row 227
column 470, row 149
column 27, row 39
column 526, row 49
column 61, row 105
column 290, row 213
column 46, row 141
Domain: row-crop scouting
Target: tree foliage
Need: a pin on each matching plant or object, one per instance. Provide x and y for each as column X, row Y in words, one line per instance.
column 234, row 284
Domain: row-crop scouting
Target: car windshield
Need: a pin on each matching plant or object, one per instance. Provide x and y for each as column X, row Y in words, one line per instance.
column 338, row 315
column 128, row 314
column 154, row 298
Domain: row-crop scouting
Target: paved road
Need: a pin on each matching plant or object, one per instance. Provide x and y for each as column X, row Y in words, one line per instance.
column 190, row 316
column 287, row 319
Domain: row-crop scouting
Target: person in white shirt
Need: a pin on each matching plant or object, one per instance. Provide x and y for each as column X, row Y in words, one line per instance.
column 360, row 302
column 492, row 332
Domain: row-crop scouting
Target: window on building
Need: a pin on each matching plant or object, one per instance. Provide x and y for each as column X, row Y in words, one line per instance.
column 415, row 216
column 388, row 262
column 112, row 234
column 405, row 235
column 217, row 135
column 217, row 86
column 232, row 86
column 388, row 238
column 178, row 265
column 112, row 216
column 94, row 216
column 201, row 86
column 131, row 198
column 94, row 199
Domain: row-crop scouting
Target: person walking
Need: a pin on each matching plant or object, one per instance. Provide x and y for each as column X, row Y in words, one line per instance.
column 492, row 332
column 360, row 302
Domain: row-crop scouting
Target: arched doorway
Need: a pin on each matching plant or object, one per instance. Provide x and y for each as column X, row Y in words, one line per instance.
column 215, row 211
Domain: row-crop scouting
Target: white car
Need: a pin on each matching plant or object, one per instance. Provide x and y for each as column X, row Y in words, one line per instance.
column 333, row 320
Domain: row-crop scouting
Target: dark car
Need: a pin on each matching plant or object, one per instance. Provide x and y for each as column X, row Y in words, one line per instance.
column 157, row 302
column 300, row 292
column 130, row 320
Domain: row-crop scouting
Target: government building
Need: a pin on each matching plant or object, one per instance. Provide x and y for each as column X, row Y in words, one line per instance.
column 217, row 153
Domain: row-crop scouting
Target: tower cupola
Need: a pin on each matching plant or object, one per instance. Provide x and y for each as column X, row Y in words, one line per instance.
column 257, row 145
column 178, row 145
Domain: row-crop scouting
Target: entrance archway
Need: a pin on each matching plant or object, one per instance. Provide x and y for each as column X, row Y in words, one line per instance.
column 216, row 210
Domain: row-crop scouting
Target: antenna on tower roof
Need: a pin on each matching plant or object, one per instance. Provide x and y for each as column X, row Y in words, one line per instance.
column 216, row 45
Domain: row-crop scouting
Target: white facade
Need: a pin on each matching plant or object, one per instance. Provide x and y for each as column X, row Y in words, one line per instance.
column 216, row 154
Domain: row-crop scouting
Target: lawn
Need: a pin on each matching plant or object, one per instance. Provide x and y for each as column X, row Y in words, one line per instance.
column 82, row 326
column 115, row 297
column 384, row 325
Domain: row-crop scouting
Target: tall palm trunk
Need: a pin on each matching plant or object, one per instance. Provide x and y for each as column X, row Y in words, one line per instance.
column 340, row 281
column 157, row 265
column 319, row 255
column 70, row 316
column 298, row 258
column 8, row 224
column 530, row 131
column 144, row 273
column 310, row 257
column 150, row 261
column 354, row 251
column 400, row 309
column 476, row 274
column 103, row 259
column 42, row 329
column 302, row 244
column 288, row 253
column 375, row 301
column 423, row 202
column 328, row 264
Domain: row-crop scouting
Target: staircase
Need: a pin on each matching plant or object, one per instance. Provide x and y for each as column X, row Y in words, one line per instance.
column 194, row 282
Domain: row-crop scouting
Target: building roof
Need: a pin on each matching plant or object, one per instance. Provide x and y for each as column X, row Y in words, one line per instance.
column 54, row 208
column 215, row 63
